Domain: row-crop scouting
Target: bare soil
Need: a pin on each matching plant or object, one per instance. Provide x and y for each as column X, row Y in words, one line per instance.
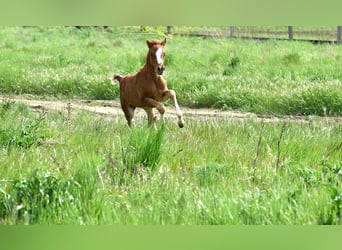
column 112, row 109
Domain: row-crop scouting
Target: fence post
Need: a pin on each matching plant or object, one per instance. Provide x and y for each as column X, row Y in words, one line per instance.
column 168, row 30
column 339, row 34
column 290, row 29
column 232, row 31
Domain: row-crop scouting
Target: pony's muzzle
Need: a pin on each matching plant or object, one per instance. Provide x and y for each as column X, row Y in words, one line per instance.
column 160, row 69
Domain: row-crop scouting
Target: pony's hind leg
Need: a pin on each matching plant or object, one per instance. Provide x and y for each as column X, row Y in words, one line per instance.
column 129, row 112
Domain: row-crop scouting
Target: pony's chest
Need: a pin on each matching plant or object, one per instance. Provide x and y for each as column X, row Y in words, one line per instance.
column 160, row 83
column 155, row 85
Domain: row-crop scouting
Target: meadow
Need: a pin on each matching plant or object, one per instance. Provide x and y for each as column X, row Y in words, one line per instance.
column 68, row 167
column 65, row 168
column 274, row 77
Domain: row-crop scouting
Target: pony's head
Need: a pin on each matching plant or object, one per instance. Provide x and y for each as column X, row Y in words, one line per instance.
column 156, row 55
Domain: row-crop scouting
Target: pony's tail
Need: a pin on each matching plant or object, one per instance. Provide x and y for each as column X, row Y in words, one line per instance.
column 115, row 78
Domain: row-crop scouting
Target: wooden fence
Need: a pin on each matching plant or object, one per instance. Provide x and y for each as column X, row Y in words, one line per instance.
column 316, row 35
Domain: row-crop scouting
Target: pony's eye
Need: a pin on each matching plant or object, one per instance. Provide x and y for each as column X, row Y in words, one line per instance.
column 152, row 54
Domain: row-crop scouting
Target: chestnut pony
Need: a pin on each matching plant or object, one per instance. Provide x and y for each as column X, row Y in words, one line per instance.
column 147, row 88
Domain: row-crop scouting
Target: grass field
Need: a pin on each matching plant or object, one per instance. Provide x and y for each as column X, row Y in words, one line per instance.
column 81, row 168
column 275, row 77
column 65, row 168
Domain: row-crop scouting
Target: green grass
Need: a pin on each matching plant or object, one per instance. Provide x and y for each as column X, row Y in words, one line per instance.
column 68, row 168
column 274, row 77
column 89, row 169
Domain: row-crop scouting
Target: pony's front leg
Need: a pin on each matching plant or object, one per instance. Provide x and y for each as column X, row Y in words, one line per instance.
column 150, row 117
column 170, row 94
column 150, row 103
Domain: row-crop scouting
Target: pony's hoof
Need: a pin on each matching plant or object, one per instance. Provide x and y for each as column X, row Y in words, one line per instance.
column 180, row 122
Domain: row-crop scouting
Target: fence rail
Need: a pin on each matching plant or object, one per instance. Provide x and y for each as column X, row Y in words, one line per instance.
column 314, row 34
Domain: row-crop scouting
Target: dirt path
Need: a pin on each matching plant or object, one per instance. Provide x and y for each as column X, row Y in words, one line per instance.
column 112, row 108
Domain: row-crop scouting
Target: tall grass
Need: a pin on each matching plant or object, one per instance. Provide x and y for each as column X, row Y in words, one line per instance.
column 273, row 77
column 23, row 132
column 94, row 170
column 143, row 149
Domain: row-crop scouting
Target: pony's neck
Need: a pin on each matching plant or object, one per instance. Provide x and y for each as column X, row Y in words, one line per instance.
column 151, row 71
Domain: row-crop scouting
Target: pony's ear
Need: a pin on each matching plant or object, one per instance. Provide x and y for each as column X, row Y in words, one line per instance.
column 163, row 42
column 149, row 43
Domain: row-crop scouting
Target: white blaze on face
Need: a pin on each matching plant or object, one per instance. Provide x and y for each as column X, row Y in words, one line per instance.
column 158, row 55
